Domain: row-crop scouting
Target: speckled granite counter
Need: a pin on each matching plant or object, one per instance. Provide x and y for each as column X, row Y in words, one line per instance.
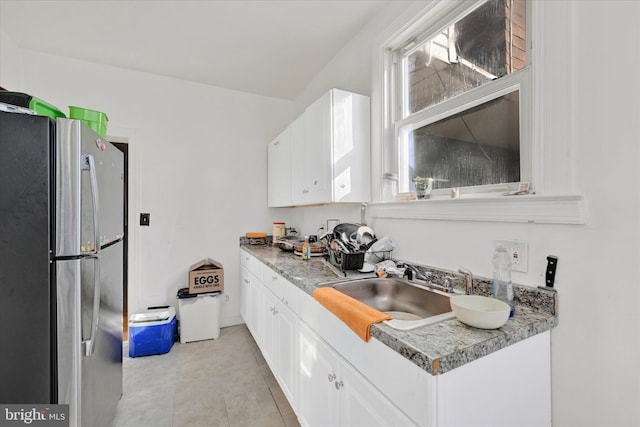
column 439, row 347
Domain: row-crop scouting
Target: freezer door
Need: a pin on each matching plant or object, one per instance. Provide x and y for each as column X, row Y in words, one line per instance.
column 89, row 191
column 109, row 171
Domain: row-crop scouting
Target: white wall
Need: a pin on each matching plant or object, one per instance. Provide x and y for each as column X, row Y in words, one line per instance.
column 596, row 347
column 9, row 59
column 198, row 159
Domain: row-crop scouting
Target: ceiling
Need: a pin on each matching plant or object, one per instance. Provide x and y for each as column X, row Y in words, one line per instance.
column 271, row 48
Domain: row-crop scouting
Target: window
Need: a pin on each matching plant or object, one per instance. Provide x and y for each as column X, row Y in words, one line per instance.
column 458, row 95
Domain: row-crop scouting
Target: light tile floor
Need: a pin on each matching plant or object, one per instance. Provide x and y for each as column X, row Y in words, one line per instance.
column 223, row 382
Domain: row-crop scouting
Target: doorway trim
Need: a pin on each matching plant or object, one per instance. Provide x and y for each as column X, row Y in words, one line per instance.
column 133, row 237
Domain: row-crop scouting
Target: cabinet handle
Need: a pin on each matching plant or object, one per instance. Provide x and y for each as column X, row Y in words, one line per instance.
column 274, row 277
column 275, row 311
column 331, row 377
column 271, row 309
column 339, row 384
column 305, row 191
column 247, row 281
column 342, row 186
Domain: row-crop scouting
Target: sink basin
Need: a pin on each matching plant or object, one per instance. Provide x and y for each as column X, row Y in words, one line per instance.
column 410, row 305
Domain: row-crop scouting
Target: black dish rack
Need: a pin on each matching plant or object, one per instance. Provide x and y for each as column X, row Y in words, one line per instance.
column 353, row 260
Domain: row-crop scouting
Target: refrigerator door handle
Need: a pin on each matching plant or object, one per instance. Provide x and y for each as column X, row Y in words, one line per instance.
column 88, row 164
column 89, row 344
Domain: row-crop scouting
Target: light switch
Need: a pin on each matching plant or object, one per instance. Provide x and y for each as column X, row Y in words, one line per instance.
column 144, row 218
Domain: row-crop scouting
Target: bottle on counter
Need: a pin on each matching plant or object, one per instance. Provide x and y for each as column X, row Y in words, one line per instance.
column 306, row 248
column 502, row 287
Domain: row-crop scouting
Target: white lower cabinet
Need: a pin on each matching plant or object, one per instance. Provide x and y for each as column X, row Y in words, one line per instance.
column 248, row 286
column 332, row 378
column 364, row 405
column 267, row 312
column 318, row 377
column 278, row 343
column 250, row 293
column 333, row 393
column 287, row 355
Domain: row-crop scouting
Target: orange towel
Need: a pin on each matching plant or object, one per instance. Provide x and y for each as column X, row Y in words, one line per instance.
column 356, row 315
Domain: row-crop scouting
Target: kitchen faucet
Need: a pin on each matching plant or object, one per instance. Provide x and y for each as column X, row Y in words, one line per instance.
column 410, row 270
column 468, row 279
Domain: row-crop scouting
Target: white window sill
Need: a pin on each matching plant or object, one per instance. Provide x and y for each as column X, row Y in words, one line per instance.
column 548, row 209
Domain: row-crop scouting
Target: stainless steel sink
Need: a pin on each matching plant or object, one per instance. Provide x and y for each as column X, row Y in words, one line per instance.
column 410, row 305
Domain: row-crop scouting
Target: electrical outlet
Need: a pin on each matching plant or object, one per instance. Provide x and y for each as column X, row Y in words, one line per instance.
column 518, row 249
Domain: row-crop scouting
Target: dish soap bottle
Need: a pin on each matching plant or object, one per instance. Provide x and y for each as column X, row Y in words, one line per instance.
column 306, row 249
column 502, row 286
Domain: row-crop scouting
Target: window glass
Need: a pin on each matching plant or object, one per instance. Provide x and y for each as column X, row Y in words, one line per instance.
column 483, row 46
column 479, row 146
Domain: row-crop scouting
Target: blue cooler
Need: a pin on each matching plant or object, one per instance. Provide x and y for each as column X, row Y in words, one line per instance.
column 152, row 332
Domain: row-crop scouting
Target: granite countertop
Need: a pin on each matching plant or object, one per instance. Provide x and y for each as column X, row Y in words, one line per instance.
column 439, row 347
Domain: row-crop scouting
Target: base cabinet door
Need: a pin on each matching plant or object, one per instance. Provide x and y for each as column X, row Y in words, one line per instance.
column 267, row 314
column 363, row 405
column 287, row 353
column 249, row 286
column 333, row 393
column 244, row 295
column 255, row 295
column 279, row 342
column 318, row 404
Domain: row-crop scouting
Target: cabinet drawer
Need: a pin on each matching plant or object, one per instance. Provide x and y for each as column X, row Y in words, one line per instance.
column 251, row 263
column 273, row 281
column 284, row 290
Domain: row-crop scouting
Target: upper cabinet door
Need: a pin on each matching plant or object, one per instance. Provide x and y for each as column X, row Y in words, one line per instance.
column 330, row 151
column 299, row 162
column 351, row 147
column 279, row 170
column 317, row 147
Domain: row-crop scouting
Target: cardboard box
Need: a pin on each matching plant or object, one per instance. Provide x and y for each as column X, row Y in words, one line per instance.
column 206, row 276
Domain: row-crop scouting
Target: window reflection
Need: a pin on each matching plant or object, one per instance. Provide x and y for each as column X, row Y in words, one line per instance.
column 478, row 146
column 485, row 45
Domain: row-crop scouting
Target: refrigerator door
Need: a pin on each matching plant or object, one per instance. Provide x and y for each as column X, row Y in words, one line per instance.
column 90, row 380
column 90, row 173
column 68, row 338
column 27, row 290
column 101, row 384
column 90, row 178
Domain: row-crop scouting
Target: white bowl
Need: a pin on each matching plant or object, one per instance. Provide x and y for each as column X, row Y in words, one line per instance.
column 480, row 312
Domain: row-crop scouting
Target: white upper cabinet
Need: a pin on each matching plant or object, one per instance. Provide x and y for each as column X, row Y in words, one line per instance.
column 279, row 170
column 330, row 153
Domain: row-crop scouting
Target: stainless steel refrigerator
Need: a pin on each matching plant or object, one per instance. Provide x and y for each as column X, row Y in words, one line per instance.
column 61, row 267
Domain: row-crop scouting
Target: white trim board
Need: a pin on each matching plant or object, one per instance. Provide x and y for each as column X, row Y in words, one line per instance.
column 549, row 209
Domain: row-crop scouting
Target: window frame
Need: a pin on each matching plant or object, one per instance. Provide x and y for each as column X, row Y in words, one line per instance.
column 555, row 201
column 401, row 121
